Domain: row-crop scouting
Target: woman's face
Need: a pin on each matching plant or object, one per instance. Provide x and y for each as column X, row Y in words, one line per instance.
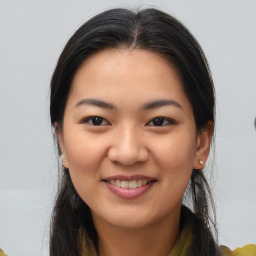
column 129, row 138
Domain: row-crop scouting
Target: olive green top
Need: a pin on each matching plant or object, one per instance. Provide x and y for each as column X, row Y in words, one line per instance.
column 180, row 249
column 2, row 253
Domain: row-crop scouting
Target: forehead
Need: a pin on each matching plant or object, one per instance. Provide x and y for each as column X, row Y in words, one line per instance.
column 119, row 74
column 126, row 61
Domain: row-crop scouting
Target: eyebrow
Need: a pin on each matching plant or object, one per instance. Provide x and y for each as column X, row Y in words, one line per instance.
column 146, row 106
column 95, row 102
column 161, row 103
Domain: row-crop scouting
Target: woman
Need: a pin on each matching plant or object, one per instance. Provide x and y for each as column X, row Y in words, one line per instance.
column 132, row 105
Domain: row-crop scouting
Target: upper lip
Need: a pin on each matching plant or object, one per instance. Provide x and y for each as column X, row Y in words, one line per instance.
column 129, row 178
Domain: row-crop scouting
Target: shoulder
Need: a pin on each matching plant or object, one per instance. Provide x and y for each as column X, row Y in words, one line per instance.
column 247, row 250
column 2, row 253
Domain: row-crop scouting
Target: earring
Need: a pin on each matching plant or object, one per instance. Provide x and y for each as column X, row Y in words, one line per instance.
column 63, row 160
column 64, row 163
column 201, row 162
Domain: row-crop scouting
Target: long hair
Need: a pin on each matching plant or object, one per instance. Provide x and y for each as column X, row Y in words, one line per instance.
column 150, row 30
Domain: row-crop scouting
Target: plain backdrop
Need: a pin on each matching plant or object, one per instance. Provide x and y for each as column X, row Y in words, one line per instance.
column 32, row 35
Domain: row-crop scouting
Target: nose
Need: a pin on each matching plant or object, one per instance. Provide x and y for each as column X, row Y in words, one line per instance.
column 127, row 147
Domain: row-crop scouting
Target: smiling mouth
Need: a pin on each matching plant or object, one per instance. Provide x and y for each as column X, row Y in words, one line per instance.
column 132, row 184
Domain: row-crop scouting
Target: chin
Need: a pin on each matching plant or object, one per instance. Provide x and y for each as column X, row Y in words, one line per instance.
column 130, row 223
column 132, row 218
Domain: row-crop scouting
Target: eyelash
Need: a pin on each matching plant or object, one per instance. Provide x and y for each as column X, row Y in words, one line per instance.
column 90, row 120
column 163, row 121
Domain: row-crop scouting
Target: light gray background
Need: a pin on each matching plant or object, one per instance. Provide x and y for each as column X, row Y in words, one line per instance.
column 32, row 35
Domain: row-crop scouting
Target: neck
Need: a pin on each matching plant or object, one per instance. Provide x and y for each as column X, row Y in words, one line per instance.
column 157, row 239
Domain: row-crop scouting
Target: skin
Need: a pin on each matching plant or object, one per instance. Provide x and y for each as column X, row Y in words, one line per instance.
column 127, row 142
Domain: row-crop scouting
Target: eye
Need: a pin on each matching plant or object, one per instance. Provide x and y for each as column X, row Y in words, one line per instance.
column 161, row 121
column 95, row 121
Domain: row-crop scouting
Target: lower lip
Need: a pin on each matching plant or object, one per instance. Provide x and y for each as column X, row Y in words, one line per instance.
column 129, row 193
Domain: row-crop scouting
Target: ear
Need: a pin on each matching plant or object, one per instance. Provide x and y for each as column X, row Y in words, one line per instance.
column 203, row 144
column 59, row 136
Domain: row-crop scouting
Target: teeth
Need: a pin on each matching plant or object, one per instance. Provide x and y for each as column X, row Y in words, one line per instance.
column 139, row 183
column 132, row 184
column 118, row 183
column 124, row 184
column 128, row 184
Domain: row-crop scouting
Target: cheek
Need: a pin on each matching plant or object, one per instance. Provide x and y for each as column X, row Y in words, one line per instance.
column 83, row 152
column 84, row 156
column 176, row 152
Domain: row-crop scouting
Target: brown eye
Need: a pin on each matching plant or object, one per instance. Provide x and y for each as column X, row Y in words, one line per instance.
column 95, row 121
column 161, row 121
